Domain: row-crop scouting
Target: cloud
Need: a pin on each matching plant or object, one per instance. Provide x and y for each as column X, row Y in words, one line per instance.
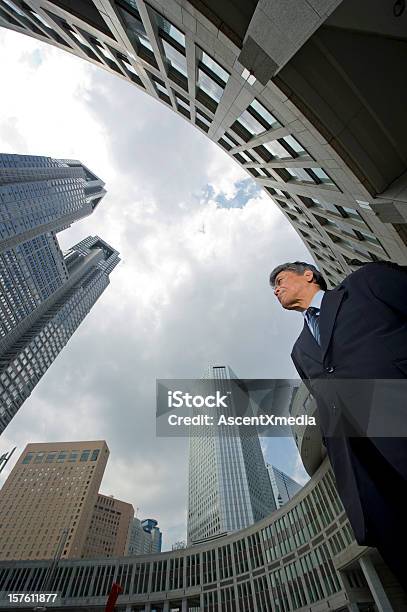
column 10, row 134
column 180, row 300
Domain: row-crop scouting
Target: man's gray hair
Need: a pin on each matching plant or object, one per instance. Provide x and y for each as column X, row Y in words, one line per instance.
column 299, row 267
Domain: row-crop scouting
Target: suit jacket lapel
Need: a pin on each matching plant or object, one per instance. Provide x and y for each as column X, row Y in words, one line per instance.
column 329, row 310
column 307, row 343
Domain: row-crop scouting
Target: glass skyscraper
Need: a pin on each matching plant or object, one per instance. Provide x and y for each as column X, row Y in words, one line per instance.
column 228, row 487
column 284, row 487
column 44, row 293
column 40, row 339
column 145, row 537
column 40, row 194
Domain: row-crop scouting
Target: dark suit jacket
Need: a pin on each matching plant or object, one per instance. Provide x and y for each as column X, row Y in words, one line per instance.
column 363, row 326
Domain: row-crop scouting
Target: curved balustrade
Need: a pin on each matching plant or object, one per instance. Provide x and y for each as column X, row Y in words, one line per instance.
column 282, row 563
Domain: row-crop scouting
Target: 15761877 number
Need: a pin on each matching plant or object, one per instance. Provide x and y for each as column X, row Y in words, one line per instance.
column 29, row 598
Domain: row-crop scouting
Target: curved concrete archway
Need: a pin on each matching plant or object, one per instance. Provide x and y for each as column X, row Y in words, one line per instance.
column 250, row 93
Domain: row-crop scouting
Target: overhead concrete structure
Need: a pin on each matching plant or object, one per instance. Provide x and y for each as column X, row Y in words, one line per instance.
column 307, row 95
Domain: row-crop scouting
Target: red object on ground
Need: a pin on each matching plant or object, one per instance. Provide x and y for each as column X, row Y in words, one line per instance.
column 114, row 594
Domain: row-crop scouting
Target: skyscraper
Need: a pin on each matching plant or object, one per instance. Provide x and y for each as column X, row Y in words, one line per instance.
column 39, row 195
column 44, row 293
column 145, row 537
column 229, row 487
column 33, row 344
column 49, row 499
column 284, row 487
column 109, row 529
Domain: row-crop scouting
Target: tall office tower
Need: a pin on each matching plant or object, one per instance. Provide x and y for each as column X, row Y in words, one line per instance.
column 145, row 537
column 48, row 499
column 109, row 530
column 40, row 195
column 228, row 487
column 34, row 340
column 284, row 487
column 318, row 128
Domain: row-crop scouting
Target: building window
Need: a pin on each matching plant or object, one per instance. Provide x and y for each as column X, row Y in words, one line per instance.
column 300, row 174
column 200, row 116
column 169, row 30
column 322, row 176
column 95, row 454
column 277, row 150
column 135, row 25
column 209, row 86
column 212, row 78
column 257, row 119
column 84, row 455
column 175, row 58
column 214, row 67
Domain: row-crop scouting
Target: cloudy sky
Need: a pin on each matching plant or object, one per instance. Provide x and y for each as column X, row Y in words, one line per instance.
column 181, row 299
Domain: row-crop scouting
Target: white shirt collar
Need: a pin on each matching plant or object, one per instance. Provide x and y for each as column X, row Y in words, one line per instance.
column 316, row 300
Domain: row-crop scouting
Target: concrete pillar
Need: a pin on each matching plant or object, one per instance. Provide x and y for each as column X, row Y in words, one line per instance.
column 147, row 607
column 274, row 35
column 390, row 205
column 166, row 606
column 380, row 598
column 184, row 606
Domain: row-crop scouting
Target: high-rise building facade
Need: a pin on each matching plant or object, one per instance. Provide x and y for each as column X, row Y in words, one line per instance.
column 49, row 498
column 109, row 530
column 284, row 487
column 35, row 340
column 30, row 273
column 276, row 87
column 39, row 195
column 145, row 537
column 44, row 293
column 228, row 484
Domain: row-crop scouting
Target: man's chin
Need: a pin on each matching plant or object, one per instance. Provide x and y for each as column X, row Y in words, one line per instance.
column 287, row 305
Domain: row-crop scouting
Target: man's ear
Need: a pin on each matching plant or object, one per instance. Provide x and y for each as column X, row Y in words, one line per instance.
column 309, row 276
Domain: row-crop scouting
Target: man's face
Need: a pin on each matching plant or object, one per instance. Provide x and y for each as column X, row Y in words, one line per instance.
column 292, row 289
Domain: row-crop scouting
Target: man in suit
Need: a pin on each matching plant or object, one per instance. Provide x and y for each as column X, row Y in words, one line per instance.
column 352, row 355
